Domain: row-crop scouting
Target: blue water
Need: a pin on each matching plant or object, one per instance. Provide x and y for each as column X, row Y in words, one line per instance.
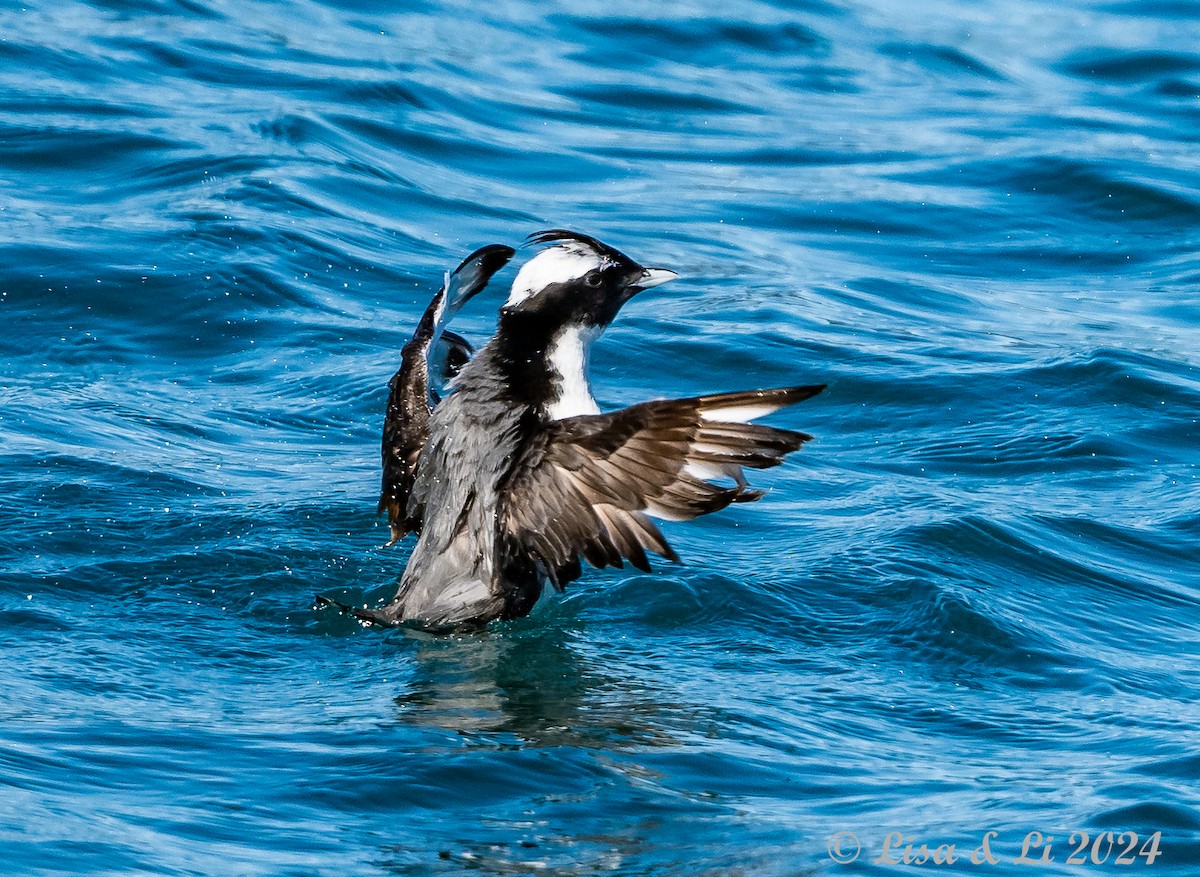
column 971, row 605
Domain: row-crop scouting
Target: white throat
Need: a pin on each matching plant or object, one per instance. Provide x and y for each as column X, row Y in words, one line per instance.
column 568, row 361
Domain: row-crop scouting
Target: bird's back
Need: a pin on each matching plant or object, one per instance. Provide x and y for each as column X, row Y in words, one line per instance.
column 456, row 573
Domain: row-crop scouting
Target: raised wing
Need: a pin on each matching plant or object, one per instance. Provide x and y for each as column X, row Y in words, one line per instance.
column 588, row 487
column 453, row 353
column 406, row 423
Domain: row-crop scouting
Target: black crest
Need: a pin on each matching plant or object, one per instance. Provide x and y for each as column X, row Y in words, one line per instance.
column 562, row 235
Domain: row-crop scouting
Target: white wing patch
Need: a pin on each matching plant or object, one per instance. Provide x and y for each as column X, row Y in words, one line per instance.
column 439, row 314
column 555, row 265
column 738, row 413
column 705, row 471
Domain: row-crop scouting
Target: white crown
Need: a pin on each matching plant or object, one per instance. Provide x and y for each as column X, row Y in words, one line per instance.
column 558, row 264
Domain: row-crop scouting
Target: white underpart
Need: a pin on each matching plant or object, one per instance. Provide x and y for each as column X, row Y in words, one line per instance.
column 568, row 361
column 555, row 265
column 738, row 413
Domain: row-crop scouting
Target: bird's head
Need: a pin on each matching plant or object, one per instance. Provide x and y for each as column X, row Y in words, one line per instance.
column 578, row 280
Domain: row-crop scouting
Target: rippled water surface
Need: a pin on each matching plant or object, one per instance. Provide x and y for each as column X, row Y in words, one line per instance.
column 972, row 604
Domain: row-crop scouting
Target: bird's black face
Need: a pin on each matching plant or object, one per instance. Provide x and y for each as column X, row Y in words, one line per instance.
column 579, row 281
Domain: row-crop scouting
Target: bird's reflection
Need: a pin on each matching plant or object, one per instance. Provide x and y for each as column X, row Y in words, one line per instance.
column 533, row 682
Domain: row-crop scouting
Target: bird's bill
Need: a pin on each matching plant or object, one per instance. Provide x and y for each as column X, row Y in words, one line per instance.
column 652, row 277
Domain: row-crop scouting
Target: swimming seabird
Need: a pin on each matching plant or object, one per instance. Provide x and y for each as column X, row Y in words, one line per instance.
column 516, row 475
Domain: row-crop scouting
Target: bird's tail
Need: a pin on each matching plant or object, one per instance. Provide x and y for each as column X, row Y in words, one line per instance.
column 368, row 617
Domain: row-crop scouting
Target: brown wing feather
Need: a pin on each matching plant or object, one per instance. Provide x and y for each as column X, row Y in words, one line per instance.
column 588, row 484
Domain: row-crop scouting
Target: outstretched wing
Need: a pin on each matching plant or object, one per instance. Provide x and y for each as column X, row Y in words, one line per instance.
column 588, row 486
column 406, row 423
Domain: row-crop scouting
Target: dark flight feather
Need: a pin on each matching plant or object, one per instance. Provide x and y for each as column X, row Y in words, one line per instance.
column 587, row 485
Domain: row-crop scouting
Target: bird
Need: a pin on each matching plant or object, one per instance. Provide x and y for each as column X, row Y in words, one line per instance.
column 516, row 477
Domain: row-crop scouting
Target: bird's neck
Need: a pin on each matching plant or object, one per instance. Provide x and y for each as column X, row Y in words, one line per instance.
column 546, row 364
